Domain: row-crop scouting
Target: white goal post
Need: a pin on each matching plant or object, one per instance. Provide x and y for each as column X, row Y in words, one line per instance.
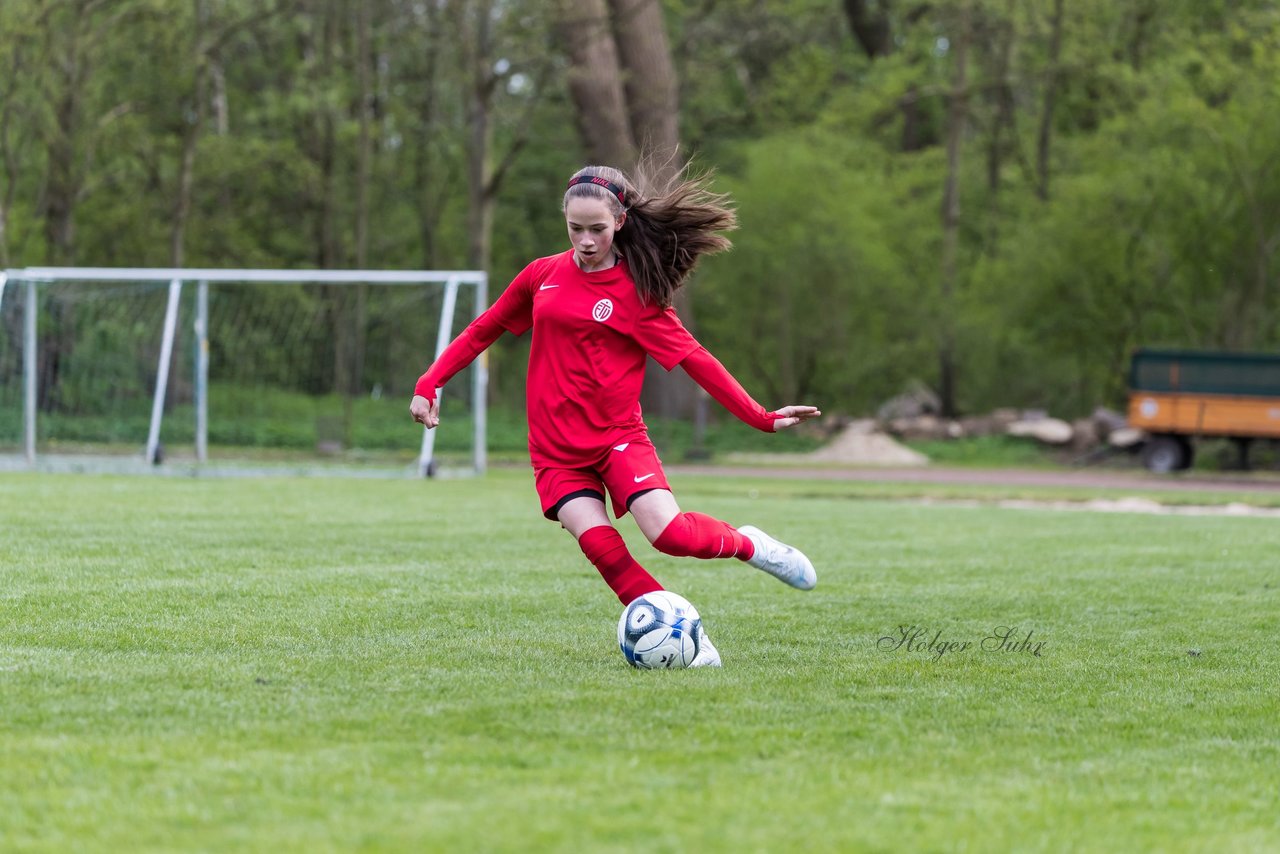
column 26, row 284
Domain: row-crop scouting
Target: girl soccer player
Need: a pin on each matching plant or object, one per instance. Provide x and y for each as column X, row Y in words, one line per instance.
column 597, row 311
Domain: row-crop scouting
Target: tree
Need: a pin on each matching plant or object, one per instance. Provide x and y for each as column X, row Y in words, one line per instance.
column 957, row 109
column 595, row 82
column 209, row 33
column 1043, row 139
column 1110, row 181
column 74, row 34
column 18, row 22
column 869, row 22
column 625, row 91
column 648, row 79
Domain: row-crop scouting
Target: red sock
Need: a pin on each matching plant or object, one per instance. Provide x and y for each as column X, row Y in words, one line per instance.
column 700, row 535
column 604, row 547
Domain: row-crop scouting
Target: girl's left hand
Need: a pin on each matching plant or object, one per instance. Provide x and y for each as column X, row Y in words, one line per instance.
column 790, row 416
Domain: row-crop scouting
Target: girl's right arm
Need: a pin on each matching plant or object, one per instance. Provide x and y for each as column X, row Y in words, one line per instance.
column 462, row 351
column 513, row 312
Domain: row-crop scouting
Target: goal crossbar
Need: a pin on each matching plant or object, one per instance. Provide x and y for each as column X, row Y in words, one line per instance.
column 33, row 277
column 291, row 277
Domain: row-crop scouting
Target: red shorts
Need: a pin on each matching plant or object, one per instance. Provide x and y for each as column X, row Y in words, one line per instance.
column 625, row 473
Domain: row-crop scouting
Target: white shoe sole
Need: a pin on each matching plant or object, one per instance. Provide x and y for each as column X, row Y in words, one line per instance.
column 800, row 574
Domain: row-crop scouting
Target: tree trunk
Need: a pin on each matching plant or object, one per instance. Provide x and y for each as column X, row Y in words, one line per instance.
column 430, row 178
column 1002, row 34
column 322, row 59
column 1000, row 48
column 480, row 192
column 653, row 111
column 221, row 106
column 1144, row 14
column 63, row 184
column 364, row 177
column 326, row 139
column 190, row 140
column 364, row 148
column 870, row 26
column 595, row 82
column 72, row 30
column 873, row 31
column 956, row 114
column 649, row 79
column 1050, row 96
column 8, row 151
column 913, row 138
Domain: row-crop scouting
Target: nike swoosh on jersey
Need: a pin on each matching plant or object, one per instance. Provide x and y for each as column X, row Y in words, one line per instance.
column 622, row 447
column 643, row 478
column 545, row 287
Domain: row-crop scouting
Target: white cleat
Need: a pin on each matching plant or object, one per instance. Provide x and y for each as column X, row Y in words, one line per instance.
column 708, row 655
column 780, row 560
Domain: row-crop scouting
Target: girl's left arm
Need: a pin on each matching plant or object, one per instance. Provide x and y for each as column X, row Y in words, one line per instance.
column 707, row 371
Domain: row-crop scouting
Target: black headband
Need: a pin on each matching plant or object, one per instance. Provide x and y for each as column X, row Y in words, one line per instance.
column 601, row 182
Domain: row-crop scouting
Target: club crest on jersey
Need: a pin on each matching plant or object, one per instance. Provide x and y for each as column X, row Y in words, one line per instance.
column 602, row 310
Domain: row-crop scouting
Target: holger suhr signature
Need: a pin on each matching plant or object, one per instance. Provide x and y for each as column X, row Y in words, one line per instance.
column 1000, row 639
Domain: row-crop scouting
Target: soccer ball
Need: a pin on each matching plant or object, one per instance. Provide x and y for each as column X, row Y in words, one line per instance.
column 660, row 630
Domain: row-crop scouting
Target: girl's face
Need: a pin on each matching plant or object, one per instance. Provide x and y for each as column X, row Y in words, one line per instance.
column 591, row 228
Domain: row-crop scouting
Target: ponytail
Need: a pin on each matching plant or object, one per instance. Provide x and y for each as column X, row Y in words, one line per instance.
column 670, row 224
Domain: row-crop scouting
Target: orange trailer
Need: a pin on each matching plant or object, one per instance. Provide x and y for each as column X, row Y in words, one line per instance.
column 1178, row 395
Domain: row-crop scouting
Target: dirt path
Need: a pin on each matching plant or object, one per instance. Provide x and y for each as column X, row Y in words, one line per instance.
column 1084, row 478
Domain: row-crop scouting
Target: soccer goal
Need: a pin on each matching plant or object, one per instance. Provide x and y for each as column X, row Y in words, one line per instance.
column 245, row 370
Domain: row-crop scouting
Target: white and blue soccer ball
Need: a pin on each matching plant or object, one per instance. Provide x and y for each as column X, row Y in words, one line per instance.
column 660, row 630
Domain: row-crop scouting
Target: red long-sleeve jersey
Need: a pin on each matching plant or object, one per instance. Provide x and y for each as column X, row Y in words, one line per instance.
column 591, row 334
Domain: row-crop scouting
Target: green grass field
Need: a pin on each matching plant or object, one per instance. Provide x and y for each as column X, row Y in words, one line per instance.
column 325, row 664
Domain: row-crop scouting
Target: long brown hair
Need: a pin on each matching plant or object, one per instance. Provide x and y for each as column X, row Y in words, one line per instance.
column 671, row 223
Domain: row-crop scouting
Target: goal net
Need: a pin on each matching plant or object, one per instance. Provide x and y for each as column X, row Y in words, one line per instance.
column 108, row 369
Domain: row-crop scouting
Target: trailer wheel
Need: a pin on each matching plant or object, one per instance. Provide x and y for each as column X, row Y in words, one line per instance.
column 1165, row 454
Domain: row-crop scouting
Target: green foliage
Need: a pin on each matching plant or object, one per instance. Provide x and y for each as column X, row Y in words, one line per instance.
column 1159, row 226
column 266, row 418
column 813, row 300
column 244, row 421
column 1162, row 234
column 1142, row 209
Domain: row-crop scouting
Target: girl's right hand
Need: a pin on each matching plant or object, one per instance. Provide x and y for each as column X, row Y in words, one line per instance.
column 425, row 412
